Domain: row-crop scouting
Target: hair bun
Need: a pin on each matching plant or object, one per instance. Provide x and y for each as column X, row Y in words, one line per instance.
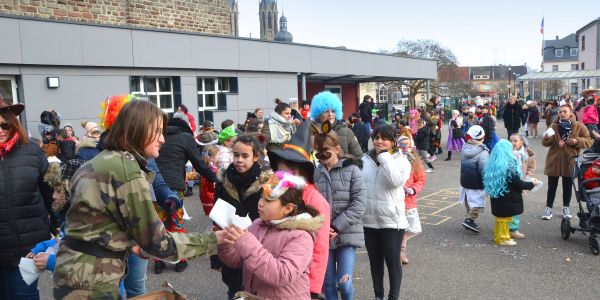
column 277, row 100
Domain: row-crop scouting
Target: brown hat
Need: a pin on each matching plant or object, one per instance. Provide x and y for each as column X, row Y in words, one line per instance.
column 6, row 106
column 590, row 89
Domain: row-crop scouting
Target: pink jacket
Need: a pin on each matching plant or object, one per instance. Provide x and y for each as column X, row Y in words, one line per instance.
column 590, row 115
column 416, row 182
column 275, row 259
column 313, row 197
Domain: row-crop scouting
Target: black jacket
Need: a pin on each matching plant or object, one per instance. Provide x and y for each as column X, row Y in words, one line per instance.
column 24, row 199
column 511, row 203
column 179, row 147
column 512, row 116
column 534, row 115
column 422, row 138
column 66, row 150
column 360, row 132
column 365, row 111
column 489, row 127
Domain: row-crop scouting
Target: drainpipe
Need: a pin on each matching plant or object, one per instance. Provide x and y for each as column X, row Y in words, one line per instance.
column 303, row 88
column 427, row 88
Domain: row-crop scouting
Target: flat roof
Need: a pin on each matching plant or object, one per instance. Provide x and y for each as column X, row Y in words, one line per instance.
column 559, row 75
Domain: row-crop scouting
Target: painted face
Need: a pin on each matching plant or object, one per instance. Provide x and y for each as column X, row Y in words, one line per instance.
column 272, row 210
column 243, row 158
column 328, row 115
column 517, row 142
column 382, row 145
column 4, row 133
column 155, row 139
column 327, row 154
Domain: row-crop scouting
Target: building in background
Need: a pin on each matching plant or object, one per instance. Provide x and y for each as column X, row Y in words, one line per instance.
column 283, row 35
column 497, row 82
column 589, row 51
column 235, row 29
column 560, row 55
column 267, row 13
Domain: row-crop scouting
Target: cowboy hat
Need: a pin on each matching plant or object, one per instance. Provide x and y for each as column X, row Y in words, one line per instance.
column 16, row 109
column 590, row 89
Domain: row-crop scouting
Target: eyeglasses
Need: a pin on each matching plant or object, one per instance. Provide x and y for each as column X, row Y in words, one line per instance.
column 4, row 126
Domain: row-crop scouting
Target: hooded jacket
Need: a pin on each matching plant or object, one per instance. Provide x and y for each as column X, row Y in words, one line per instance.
column 344, row 189
column 87, row 149
column 274, row 258
column 348, row 140
column 384, row 177
column 472, row 164
column 179, row 147
column 512, row 116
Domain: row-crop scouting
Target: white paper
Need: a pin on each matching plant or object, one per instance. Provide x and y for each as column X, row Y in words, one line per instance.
column 537, row 187
column 185, row 215
column 224, row 215
column 28, row 270
column 549, row 132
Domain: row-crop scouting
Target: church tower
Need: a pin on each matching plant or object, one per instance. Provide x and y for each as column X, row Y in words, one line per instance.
column 267, row 13
column 234, row 18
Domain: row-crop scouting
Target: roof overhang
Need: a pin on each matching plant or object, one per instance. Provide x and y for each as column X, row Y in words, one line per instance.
column 561, row 75
column 350, row 78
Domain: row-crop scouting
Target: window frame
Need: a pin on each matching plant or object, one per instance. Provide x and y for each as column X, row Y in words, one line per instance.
column 561, row 51
column 575, row 50
column 203, row 92
column 382, row 94
column 554, row 68
column 142, row 90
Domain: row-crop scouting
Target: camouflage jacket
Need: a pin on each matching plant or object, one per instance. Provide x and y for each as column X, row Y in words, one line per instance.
column 112, row 208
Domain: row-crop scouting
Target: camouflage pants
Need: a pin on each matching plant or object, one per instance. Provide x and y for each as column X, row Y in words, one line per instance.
column 71, row 294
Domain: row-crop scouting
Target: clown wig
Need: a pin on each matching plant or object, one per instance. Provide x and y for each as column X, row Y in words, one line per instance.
column 501, row 167
column 323, row 102
column 111, row 108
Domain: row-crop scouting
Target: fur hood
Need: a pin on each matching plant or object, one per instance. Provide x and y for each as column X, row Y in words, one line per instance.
column 86, row 143
column 301, row 222
column 348, row 161
column 232, row 190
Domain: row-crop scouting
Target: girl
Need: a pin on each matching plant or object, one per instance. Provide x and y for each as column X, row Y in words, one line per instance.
column 502, row 181
column 226, row 140
column 422, row 144
column 527, row 164
column 238, row 185
column 339, row 179
column 413, row 117
column 413, row 187
column 455, row 140
column 385, row 172
column 207, row 188
column 273, row 251
column 280, row 125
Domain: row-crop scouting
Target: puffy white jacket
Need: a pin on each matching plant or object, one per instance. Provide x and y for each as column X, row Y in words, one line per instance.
column 385, row 190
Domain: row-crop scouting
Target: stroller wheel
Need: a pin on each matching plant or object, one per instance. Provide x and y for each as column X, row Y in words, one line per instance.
column 595, row 245
column 565, row 228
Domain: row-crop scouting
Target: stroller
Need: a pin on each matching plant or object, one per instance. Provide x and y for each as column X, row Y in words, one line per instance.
column 589, row 222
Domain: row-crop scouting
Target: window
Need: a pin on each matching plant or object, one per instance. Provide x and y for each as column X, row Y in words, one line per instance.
column 582, row 66
column 574, row 88
column 335, row 89
column 8, row 89
column 573, row 51
column 270, row 21
column 158, row 90
column 382, row 94
column 207, row 93
column 558, row 52
column 554, row 68
column 573, row 67
column 582, row 43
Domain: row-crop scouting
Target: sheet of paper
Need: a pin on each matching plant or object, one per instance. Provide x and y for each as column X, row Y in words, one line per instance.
column 28, row 270
column 222, row 213
column 241, row 222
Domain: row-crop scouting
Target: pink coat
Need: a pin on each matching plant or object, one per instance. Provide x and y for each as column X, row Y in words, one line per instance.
column 416, row 182
column 313, row 197
column 275, row 259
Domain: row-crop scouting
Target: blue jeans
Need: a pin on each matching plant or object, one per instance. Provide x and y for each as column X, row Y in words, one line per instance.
column 135, row 280
column 12, row 285
column 339, row 273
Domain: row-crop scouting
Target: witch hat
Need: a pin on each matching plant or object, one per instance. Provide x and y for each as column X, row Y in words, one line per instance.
column 296, row 150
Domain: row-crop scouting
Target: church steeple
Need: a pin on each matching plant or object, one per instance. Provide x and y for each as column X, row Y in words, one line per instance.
column 267, row 13
column 283, row 35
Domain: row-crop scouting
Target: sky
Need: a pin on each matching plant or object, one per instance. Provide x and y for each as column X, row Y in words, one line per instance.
column 477, row 32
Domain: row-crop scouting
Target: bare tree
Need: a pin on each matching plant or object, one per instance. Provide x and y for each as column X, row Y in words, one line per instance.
column 553, row 88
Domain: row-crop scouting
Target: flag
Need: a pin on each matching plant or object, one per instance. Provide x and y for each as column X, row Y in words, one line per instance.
column 542, row 26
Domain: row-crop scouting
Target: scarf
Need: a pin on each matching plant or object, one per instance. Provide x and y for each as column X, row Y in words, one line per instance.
column 565, row 129
column 243, row 181
column 7, row 146
column 280, row 128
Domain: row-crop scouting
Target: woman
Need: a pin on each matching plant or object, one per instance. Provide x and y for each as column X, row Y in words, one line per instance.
column 112, row 210
column 326, row 106
column 258, row 112
column 565, row 137
column 385, row 171
column 534, row 119
column 280, row 126
column 551, row 112
column 23, row 218
column 455, row 136
column 512, row 116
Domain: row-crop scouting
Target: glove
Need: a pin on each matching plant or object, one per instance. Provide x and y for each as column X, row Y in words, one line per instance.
column 409, row 191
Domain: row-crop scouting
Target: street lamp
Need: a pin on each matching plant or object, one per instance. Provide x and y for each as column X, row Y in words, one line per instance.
column 509, row 80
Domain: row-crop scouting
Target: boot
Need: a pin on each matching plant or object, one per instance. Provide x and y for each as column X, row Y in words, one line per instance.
column 159, row 266
column 181, row 266
column 403, row 257
column 449, row 156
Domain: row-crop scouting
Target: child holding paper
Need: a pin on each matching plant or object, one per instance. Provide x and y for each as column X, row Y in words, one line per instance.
column 238, row 185
column 273, row 251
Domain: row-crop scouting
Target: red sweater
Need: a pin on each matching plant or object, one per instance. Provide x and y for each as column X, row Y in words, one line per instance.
column 417, row 183
column 318, row 267
column 589, row 174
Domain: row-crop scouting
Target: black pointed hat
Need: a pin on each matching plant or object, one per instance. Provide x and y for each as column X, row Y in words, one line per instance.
column 296, row 150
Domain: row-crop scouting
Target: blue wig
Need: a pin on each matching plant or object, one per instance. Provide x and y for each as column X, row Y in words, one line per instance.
column 501, row 166
column 323, row 102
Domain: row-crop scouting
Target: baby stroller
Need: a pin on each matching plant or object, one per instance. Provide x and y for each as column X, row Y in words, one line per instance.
column 589, row 222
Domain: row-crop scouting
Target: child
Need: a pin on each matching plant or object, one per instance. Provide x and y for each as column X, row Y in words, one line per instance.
column 526, row 160
column 593, row 203
column 503, row 183
column 472, row 164
column 591, row 173
column 226, row 139
column 412, row 187
column 412, row 118
column 207, row 188
column 273, row 251
column 208, row 136
column 238, row 185
column 489, row 127
column 455, row 136
column 339, row 180
column 422, row 144
column 66, row 146
column 305, row 110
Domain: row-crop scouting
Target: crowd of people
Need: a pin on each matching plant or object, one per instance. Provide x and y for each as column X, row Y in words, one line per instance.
column 95, row 210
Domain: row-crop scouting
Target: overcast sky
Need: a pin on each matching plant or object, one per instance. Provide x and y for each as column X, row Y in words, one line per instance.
column 478, row 32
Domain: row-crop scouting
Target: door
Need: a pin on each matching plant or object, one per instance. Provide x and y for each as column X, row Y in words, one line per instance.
column 8, row 88
column 335, row 89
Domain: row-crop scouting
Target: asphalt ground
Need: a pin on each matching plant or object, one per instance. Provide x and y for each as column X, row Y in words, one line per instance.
column 446, row 261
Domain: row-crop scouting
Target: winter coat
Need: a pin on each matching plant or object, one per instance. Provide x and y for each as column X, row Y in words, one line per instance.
column 66, row 150
column 277, row 130
column 320, row 254
column 511, row 203
column 423, row 138
column 179, row 147
column 207, row 192
column 512, row 116
column 360, row 132
column 489, row 127
column 385, row 176
column 192, row 121
column 534, row 115
column 274, row 258
column 558, row 162
column 344, row 189
column 87, row 149
column 416, row 181
column 23, row 212
column 348, row 140
column 472, row 165
column 365, row 111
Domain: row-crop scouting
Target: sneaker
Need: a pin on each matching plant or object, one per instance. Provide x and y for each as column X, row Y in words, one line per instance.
column 433, row 158
column 159, row 266
column 470, row 225
column 403, row 257
column 180, row 266
column 547, row 214
column 429, row 170
column 566, row 212
column 517, row 235
column 510, row 242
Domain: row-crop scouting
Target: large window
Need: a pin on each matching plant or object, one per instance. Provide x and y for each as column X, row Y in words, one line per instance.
column 207, row 93
column 158, row 90
column 558, row 52
column 212, row 95
column 382, row 94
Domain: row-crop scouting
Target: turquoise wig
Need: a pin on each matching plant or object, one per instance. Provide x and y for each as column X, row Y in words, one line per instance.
column 323, row 102
column 501, row 166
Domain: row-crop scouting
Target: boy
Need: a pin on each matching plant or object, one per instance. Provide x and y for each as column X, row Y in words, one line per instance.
column 66, row 146
column 474, row 156
column 422, row 143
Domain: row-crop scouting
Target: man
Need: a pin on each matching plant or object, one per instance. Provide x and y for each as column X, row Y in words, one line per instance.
column 366, row 115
